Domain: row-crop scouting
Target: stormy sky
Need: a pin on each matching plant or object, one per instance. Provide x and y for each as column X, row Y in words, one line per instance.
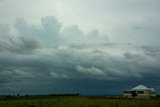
column 89, row 47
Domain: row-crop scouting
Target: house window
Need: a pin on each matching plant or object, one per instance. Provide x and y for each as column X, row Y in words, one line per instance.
column 127, row 92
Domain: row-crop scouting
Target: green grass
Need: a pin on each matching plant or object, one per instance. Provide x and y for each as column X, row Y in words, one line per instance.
column 80, row 101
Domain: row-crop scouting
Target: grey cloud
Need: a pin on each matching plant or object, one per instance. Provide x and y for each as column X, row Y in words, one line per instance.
column 4, row 29
column 136, row 27
column 49, row 57
column 51, row 24
column 13, row 74
column 72, row 35
column 94, row 37
column 151, row 50
column 63, row 64
column 70, row 63
column 50, row 33
column 46, row 33
column 129, row 55
column 17, row 44
column 28, row 43
column 51, row 28
column 22, row 27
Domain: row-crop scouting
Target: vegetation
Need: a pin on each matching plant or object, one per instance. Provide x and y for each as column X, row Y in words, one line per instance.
column 75, row 101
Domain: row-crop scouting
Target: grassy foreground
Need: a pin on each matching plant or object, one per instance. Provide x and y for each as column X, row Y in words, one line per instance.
column 79, row 101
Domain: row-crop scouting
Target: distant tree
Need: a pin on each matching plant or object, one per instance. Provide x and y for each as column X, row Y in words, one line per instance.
column 18, row 95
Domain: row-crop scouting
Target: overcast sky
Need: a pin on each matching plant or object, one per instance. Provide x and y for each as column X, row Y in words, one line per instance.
column 78, row 46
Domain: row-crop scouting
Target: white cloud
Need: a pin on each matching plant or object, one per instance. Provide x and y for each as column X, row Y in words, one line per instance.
column 90, row 71
column 58, row 76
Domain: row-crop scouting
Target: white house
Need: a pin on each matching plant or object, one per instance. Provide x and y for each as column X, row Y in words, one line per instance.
column 140, row 91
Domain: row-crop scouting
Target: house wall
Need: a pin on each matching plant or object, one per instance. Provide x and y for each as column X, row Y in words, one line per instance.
column 144, row 94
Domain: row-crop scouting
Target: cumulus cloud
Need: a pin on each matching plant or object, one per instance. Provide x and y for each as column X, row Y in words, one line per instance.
column 47, row 32
column 47, row 52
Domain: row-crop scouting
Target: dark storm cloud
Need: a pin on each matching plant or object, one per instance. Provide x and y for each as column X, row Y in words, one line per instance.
column 58, row 59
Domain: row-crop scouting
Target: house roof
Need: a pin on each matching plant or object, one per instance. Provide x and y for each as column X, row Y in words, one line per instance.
column 140, row 87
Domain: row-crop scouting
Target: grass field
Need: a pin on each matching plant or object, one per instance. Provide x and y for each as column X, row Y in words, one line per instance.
column 79, row 101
